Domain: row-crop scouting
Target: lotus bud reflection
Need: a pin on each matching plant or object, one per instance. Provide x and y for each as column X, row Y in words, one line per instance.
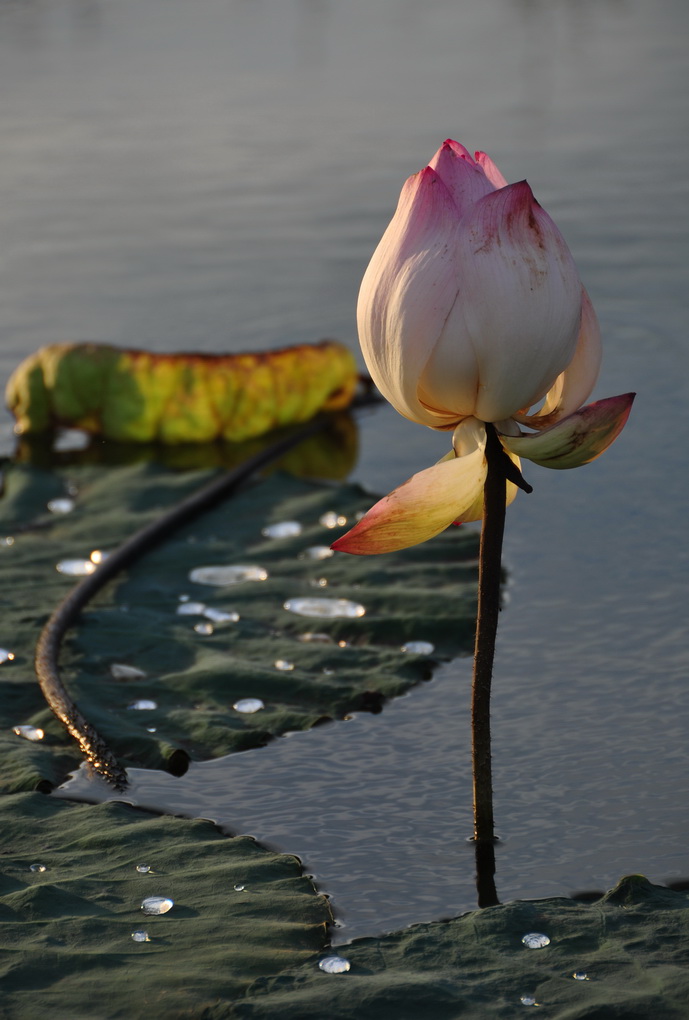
column 471, row 311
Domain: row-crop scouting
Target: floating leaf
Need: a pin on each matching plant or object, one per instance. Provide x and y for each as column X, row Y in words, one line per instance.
column 137, row 395
column 66, row 937
column 631, row 945
column 426, row 593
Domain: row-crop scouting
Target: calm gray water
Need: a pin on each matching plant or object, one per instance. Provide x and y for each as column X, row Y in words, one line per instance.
column 215, row 175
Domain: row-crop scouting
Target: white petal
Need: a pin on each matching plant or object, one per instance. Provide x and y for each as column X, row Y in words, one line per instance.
column 407, row 292
column 520, row 302
column 575, row 384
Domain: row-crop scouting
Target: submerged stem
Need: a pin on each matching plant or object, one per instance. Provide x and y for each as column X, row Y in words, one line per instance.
column 490, row 558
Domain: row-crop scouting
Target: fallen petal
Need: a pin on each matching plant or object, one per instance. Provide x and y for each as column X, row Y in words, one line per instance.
column 577, row 439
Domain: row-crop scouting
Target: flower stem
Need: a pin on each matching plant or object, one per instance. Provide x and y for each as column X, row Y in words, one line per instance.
column 490, row 558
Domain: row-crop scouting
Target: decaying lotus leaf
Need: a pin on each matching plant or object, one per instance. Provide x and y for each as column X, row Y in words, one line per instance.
column 139, row 396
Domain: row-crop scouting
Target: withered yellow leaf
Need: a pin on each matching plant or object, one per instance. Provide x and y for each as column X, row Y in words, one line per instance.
column 140, row 396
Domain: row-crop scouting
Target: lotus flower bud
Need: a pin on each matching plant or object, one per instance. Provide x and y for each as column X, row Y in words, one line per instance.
column 471, row 305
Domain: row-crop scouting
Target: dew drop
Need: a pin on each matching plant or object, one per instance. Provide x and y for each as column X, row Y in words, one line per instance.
column 311, row 637
column 143, row 869
column 157, row 905
column 99, row 556
column 206, row 629
column 334, row 965
column 141, row 936
column 120, row 671
column 60, row 506
column 29, row 732
column 528, row 1000
column 248, row 705
column 143, row 705
column 191, row 609
column 324, row 608
column 284, row 666
column 221, row 615
column 37, row 867
column 343, row 644
column 151, row 729
column 221, row 576
column 580, row 975
column 7, row 540
column 6, row 656
column 317, row 552
column 319, row 582
column 418, row 648
column 326, row 671
column 75, row 568
column 285, row 529
column 239, row 888
column 71, row 440
column 536, row 940
column 332, row 519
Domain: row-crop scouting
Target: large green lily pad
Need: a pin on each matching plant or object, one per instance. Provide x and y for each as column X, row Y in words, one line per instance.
column 66, row 946
column 426, row 593
column 632, row 946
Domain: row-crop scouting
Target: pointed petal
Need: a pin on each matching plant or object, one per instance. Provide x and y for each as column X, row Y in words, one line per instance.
column 490, row 170
column 407, row 292
column 518, row 311
column 423, row 507
column 465, row 181
column 574, row 385
column 577, row 439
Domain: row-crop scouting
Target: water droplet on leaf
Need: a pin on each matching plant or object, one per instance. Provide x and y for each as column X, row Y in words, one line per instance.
column 418, row 648
column 334, row 965
column 248, row 705
column 221, row 615
column 28, row 732
column 285, row 529
column 324, row 608
column 75, row 568
column 143, row 705
column 204, row 628
column 141, row 936
column 315, row 638
column 99, row 556
column 535, row 940
column 317, row 552
column 284, row 666
column 157, row 905
column 221, row 576
column 239, row 888
column 6, row 656
column 191, row 609
column 37, row 867
column 120, row 671
column 61, row 506
column 580, row 975
column 319, row 582
column 143, row 869
column 528, row 1000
